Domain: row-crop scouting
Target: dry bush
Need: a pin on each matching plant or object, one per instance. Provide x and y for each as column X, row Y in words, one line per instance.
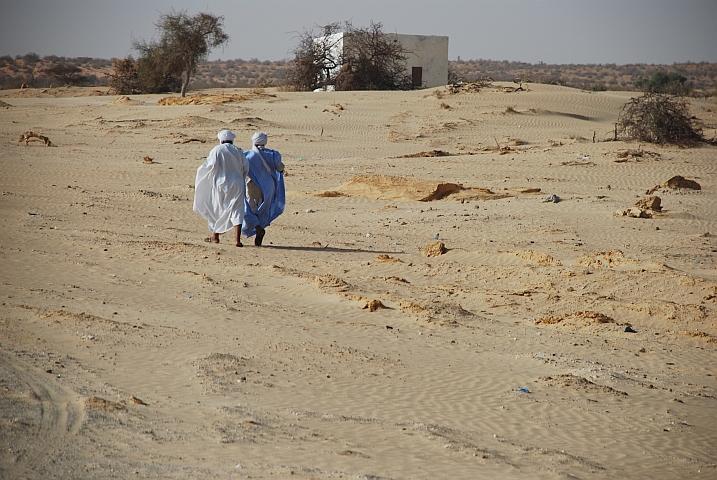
column 469, row 87
column 67, row 74
column 660, row 119
column 125, row 80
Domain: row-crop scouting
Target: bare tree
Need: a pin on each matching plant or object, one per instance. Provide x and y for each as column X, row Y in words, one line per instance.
column 316, row 59
column 372, row 60
column 184, row 42
column 357, row 59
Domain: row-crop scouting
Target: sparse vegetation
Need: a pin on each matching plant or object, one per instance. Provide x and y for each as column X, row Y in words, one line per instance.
column 184, row 42
column 658, row 118
column 662, row 82
column 65, row 73
column 239, row 73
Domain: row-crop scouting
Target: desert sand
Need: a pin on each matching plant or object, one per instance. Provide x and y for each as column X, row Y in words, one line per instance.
column 446, row 296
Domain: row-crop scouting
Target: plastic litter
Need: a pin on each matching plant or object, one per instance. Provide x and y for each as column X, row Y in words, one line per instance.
column 552, row 198
column 522, row 390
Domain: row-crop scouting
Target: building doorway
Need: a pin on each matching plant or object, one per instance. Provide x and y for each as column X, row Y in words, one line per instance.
column 417, row 77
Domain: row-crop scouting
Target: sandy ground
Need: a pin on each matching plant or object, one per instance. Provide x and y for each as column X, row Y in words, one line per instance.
column 130, row 348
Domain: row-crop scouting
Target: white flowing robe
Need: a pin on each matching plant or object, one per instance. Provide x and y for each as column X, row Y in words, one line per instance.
column 219, row 189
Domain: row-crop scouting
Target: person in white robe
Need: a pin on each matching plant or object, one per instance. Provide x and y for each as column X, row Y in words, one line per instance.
column 219, row 189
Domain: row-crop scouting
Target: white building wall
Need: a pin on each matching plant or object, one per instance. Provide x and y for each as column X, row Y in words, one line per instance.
column 429, row 52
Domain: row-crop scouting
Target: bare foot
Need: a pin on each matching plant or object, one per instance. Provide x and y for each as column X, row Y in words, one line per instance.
column 215, row 238
column 239, row 244
column 260, row 232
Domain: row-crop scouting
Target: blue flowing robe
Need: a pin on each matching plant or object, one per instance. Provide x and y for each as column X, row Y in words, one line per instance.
column 271, row 183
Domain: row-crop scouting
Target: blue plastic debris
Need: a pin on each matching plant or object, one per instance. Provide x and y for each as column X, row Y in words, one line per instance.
column 522, row 390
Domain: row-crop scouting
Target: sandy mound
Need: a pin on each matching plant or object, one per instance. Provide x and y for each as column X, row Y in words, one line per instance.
column 678, row 181
column 123, row 101
column 650, row 203
column 385, row 187
column 370, row 304
column 200, row 100
column 388, row 258
column 434, row 249
column 4, row 105
column 633, row 212
column 331, row 282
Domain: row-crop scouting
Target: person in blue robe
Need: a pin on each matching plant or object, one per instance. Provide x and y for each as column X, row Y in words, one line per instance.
column 265, row 191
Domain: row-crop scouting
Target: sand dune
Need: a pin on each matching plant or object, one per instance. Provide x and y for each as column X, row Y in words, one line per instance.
column 534, row 339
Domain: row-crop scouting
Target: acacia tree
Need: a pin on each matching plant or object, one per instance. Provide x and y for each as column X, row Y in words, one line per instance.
column 184, row 41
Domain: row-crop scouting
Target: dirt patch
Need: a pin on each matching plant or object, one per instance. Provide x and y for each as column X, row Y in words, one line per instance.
column 329, row 194
column 4, row 105
column 610, row 258
column 579, row 319
column 386, row 187
column 538, row 257
column 431, row 153
column 630, row 154
column 200, row 100
column 633, row 212
column 98, row 403
column 123, row 101
column 579, row 383
column 407, row 306
column 387, row 258
column 330, row 282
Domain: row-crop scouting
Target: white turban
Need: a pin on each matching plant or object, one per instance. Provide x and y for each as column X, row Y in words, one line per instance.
column 259, row 138
column 225, row 135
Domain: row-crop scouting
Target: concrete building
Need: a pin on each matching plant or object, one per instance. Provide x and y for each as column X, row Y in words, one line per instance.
column 427, row 62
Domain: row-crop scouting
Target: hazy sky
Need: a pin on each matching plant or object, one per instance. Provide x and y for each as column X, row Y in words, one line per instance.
column 551, row 31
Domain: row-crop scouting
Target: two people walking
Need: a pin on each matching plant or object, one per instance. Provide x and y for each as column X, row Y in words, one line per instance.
column 238, row 190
